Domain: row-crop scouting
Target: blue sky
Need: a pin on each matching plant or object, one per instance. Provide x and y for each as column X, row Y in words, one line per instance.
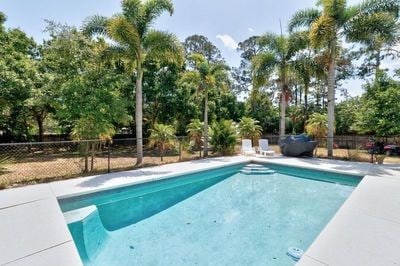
column 224, row 22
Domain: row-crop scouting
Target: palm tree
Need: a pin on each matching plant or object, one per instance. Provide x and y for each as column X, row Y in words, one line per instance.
column 135, row 41
column 275, row 58
column 204, row 77
column 317, row 125
column 195, row 132
column 329, row 25
column 163, row 137
column 249, row 128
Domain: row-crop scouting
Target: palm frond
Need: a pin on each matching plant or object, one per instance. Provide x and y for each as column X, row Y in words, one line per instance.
column 95, row 25
column 131, row 9
column 269, row 41
column 369, row 7
column 303, row 19
column 322, row 31
column 380, row 25
column 262, row 67
column 163, row 46
column 151, row 10
column 334, row 9
column 121, row 31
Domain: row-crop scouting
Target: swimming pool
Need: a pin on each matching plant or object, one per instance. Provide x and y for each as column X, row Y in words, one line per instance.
column 217, row 217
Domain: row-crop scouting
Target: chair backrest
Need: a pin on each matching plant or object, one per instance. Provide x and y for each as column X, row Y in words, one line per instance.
column 246, row 145
column 263, row 144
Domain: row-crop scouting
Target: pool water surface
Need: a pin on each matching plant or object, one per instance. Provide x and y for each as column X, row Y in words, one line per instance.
column 219, row 217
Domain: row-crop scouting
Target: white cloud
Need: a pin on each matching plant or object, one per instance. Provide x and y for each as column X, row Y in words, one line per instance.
column 250, row 29
column 228, row 41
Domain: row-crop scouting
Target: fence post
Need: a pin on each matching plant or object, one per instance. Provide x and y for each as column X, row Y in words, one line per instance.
column 108, row 155
column 180, row 149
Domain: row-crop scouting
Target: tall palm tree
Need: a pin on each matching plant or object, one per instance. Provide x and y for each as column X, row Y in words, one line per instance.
column 334, row 21
column 275, row 58
column 135, row 41
column 204, row 77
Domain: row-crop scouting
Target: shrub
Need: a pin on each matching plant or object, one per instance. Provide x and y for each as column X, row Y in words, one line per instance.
column 223, row 137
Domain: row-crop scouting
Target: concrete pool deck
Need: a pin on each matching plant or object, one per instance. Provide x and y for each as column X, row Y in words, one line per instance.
column 364, row 231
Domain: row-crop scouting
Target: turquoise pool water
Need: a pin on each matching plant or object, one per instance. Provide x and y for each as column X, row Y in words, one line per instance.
column 218, row 217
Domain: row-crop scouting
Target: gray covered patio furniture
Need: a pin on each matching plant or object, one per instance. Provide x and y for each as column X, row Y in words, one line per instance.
column 297, row 146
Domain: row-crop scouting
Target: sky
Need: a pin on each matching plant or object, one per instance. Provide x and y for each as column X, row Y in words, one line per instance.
column 223, row 22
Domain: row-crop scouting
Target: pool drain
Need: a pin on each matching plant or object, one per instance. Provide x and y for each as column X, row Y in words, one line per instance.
column 295, row 253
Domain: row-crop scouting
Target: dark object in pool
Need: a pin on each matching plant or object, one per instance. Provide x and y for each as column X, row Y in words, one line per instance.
column 297, row 145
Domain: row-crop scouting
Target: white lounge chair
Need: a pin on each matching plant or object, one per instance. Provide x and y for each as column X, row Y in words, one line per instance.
column 247, row 148
column 264, row 149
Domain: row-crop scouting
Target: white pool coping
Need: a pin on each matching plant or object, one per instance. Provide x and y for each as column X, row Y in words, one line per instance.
column 365, row 230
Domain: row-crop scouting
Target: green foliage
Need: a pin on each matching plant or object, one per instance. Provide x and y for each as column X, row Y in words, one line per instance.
column 18, row 76
column 163, row 137
column 195, row 133
column 346, row 115
column 199, row 44
column 379, row 112
column 223, row 137
column 259, row 106
column 317, row 125
column 249, row 128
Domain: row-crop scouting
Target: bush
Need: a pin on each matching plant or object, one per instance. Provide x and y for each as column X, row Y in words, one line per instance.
column 223, row 137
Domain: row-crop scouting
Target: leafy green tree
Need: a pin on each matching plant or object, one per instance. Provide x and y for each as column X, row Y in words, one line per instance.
column 242, row 75
column 135, row 41
column 223, row 137
column 18, row 74
column 199, row 44
column 204, row 78
column 334, row 21
column 345, row 114
column 379, row 111
column 195, row 133
column 249, row 128
column 163, row 137
column 259, row 106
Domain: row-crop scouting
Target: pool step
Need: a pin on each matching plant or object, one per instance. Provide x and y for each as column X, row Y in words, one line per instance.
column 253, row 169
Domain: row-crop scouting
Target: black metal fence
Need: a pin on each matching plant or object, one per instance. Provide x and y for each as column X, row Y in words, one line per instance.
column 40, row 161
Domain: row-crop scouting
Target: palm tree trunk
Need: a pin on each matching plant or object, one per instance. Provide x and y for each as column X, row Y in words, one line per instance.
column 306, row 86
column 205, row 145
column 139, row 114
column 331, row 98
column 283, row 115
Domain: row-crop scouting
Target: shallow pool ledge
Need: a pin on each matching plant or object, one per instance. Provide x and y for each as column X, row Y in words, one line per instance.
column 365, row 230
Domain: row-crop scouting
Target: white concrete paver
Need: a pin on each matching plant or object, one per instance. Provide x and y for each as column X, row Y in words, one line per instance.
column 365, row 230
column 30, row 228
column 61, row 255
column 17, row 196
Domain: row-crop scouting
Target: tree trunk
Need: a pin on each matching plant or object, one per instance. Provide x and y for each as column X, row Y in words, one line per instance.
column 39, row 121
column 284, row 91
column 205, row 144
column 331, row 98
column 306, row 96
column 283, row 115
column 139, row 114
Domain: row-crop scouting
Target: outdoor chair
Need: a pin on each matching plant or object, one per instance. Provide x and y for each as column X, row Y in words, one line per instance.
column 264, row 149
column 247, row 148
